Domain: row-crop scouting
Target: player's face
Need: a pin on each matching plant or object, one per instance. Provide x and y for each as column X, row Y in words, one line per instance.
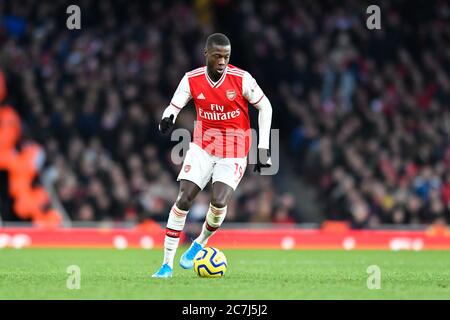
column 217, row 58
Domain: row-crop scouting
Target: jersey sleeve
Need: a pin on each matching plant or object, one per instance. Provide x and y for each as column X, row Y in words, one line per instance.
column 251, row 90
column 255, row 96
column 180, row 99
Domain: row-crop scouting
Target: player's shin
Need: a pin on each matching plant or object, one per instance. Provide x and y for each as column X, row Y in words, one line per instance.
column 175, row 225
column 214, row 218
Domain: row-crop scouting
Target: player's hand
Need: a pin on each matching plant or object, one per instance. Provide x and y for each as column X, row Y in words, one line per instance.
column 165, row 124
column 263, row 160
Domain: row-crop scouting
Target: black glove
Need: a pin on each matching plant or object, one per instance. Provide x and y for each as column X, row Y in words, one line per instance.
column 165, row 124
column 263, row 160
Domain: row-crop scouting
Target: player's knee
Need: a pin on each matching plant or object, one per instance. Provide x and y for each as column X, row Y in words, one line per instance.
column 218, row 202
column 183, row 204
column 184, row 201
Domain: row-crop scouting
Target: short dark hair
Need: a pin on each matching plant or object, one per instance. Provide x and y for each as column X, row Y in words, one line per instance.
column 218, row 39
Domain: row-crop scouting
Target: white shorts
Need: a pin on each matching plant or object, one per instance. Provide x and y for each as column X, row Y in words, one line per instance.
column 199, row 166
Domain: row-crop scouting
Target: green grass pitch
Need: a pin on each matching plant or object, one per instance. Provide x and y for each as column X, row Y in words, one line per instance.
column 252, row 274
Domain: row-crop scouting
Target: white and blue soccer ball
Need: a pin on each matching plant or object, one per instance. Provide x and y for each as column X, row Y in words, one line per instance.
column 210, row 263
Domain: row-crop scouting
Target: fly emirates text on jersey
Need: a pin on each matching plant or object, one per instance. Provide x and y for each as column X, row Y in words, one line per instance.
column 217, row 113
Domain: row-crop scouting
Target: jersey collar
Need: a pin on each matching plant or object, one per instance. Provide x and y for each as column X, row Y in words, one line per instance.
column 218, row 82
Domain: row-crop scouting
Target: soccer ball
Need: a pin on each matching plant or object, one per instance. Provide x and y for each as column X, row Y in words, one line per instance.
column 210, row 263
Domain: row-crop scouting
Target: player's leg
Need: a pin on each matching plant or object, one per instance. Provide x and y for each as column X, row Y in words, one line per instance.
column 221, row 194
column 177, row 218
column 227, row 174
column 175, row 224
column 194, row 175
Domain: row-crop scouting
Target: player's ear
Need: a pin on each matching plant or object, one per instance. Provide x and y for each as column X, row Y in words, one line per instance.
column 206, row 52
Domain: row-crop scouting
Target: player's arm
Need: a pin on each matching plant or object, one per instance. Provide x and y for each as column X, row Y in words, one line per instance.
column 179, row 100
column 255, row 96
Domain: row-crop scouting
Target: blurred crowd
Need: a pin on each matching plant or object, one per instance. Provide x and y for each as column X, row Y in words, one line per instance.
column 93, row 98
column 369, row 109
column 365, row 113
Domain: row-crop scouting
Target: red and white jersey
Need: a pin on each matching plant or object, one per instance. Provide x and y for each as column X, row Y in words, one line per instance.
column 223, row 125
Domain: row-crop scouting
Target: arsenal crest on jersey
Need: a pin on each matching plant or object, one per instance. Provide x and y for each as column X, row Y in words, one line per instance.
column 231, row 94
